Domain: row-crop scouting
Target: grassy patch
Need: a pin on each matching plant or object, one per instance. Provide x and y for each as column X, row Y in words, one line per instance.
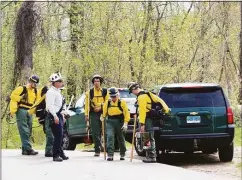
column 239, row 165
column 237, row 137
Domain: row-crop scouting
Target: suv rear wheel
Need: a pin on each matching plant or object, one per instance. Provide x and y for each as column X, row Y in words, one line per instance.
column 139, row 150
column 226, row 153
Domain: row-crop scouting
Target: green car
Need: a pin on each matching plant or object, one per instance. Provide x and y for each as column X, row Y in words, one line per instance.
column 201, row 119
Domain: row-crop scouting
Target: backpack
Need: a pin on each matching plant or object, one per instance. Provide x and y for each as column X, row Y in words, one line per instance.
column 24, row 92
column 121, row 116
column 104, row 93
column 156, row 107
column 119, row 105
column 40, row 108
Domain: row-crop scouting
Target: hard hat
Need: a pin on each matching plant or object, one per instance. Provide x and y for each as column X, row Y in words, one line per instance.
column 113, row 92
column 34, row 79
column 97, row 77
column 55, row 77
column 132, row 86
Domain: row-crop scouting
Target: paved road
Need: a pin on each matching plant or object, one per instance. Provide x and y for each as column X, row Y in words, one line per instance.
column 82, row 165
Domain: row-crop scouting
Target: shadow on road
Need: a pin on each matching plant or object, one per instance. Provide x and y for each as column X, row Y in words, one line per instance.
column 181, row 159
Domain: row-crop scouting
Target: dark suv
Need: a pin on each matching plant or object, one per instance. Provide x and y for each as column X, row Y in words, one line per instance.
column 201, row 119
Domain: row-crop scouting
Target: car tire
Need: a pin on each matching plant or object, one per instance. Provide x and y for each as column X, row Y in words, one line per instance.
column 68, row 144
column 226, row 153
column 140, row 151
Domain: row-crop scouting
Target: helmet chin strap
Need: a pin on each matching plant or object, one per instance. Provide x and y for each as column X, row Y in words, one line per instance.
column 114, row 99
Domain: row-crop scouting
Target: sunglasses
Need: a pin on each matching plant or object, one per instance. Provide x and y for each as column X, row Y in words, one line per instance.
column 59, row 81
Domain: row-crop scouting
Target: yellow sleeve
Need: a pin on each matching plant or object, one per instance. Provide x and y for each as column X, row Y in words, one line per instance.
column 142, row 108
column 125, row 111
column 15, row 95
column 105, row 109
column 15, row 98
column 87, row 103
column 13, row 107
column 157, row 99
column 107, row 96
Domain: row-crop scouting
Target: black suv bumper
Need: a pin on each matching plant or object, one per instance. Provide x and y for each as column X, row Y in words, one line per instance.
column 194, row 142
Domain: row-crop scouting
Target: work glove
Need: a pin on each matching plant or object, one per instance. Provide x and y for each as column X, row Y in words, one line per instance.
column 67, row 116
column 97, row 109
column 101, row 118
column 125, row 127
column 86, row 118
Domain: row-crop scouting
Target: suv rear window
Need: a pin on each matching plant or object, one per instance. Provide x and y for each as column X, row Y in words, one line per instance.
column 193, row 97
column 125, row 94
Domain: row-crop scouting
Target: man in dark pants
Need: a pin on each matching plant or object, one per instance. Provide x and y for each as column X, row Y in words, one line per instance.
column 54, row 105
column 95, row 99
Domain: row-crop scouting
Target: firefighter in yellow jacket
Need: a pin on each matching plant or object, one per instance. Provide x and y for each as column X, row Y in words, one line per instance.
column 94, row 101
column 117, row 114
column 22, row 98
column 145, row 100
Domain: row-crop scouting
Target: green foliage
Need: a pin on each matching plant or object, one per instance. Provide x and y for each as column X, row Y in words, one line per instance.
column 238, row 137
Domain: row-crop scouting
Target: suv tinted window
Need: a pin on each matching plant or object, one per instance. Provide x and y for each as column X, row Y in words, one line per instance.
column 202, row 97
column 125, row 94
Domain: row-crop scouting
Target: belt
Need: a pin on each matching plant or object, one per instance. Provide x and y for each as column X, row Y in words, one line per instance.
column 116, row 116
column 24, row 108
column 25, row 103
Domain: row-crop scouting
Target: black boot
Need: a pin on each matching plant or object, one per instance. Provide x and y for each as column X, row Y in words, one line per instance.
column 57, row 159
column 149, row 160
column 97, row 154
column 29, row 152
column 48, row 155
column 64, row 157
column 110, row 158
column 122, row 157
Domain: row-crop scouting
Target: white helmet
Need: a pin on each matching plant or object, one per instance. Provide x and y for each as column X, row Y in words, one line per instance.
column 55, row 77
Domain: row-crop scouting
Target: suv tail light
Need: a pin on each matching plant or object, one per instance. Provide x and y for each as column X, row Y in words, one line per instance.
column 230, row 115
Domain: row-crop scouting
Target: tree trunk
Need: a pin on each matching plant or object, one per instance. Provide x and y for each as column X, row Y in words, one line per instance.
column 24, row 32
column 131, row 60
column 145, row 36
column 76, row 14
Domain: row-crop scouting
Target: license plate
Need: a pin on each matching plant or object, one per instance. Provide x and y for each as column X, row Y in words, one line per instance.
column 193, row 119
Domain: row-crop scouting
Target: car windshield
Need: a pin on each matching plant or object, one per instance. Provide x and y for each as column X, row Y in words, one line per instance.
column 80, row 102
column 125, row 94
column 182, row 98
